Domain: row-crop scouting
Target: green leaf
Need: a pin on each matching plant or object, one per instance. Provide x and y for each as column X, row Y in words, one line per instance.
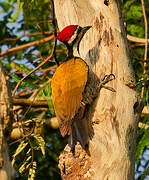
column 50, row 104
column 19, row 9
column 135, row 30
column 19, row 67
column 147, row 97
column 135, row 12
column 40, row 142
column 48, row 90
column 128, row 3
column 41, row 94
column 20, row 148
column 146, row 172
column 143, row 143
column 32, row 171
column 46, row 94
column 24, row 165
column 49, row 99
column 26, row 83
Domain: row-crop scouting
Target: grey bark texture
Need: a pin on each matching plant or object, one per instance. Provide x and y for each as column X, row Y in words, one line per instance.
column 113, row 117
column 6, row 170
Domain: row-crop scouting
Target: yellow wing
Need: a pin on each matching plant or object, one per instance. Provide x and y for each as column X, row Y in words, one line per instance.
column 68, row 83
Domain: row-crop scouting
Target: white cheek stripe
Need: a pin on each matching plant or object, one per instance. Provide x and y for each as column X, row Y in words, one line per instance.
column 73, row 36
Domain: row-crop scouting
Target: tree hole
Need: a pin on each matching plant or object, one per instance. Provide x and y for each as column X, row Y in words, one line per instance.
column 106, row 2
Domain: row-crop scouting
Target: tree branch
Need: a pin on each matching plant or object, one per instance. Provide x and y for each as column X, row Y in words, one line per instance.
column 136, row 39
column 29, row 34
column 41, row 64
column 145, row 110
column 28, row 102
column 146, row 42
column 55, row 30
column 18, row 48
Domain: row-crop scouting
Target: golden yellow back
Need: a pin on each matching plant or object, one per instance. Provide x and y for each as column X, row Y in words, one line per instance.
column 68, row 83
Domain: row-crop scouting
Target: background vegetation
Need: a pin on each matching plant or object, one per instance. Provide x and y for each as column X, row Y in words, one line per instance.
column 27, row 29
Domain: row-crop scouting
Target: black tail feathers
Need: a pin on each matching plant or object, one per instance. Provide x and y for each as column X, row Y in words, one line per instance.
column 79, row 133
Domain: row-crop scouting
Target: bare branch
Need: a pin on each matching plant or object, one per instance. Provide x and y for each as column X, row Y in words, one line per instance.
column 145, row 110
column 29, row 34
column 41, row 64
column 136, row 39
column 146, row 42
column 18, row 48
column 55, row 30
column 142, row 125
column 28, row 102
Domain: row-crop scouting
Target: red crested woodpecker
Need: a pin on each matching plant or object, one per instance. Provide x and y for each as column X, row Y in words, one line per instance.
column 69, row 84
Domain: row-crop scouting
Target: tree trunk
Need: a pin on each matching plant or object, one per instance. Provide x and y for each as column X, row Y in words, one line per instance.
column 6, row 170
column 113, row 116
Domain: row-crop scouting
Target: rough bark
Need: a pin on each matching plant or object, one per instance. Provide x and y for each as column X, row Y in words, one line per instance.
column 6, row 170
column 113, row 116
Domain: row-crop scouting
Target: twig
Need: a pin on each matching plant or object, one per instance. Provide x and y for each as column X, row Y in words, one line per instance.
column 55, row 30
column 36, row 109
column 130, row 3
column 29, row 34
column 19, row 124
column 25, row 136
column 136, row 57
column 53, row 53
column 28, row 102
column 136, row 45
column 24, row 92
column 145, row 110
column 136, row 39
column 18, row 48
column 41, row 64
column 143, row 125
column 146, row 42
column 52, row 68
column 48, row 21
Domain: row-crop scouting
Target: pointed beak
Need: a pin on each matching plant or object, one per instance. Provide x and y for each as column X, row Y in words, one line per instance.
column 84, row 30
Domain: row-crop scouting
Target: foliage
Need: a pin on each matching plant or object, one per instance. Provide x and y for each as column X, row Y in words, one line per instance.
column 35, row 142
column 135, row 27
column 25, row 21
column 144, row 174
column 144, row 142
column 22, row 22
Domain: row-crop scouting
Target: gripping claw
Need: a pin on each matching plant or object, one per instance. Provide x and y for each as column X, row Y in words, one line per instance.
column 108, row 78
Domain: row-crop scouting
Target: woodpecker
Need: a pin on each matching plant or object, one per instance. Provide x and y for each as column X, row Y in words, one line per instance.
column 69, row 88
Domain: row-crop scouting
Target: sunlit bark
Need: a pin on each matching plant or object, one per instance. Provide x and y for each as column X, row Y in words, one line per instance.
column 113, row 116
column 6, row 170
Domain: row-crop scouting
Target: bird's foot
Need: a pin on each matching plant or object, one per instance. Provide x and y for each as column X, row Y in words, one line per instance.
column 105, row 80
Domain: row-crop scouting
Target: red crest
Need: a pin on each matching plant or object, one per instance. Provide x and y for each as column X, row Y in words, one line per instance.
column 66, row 33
